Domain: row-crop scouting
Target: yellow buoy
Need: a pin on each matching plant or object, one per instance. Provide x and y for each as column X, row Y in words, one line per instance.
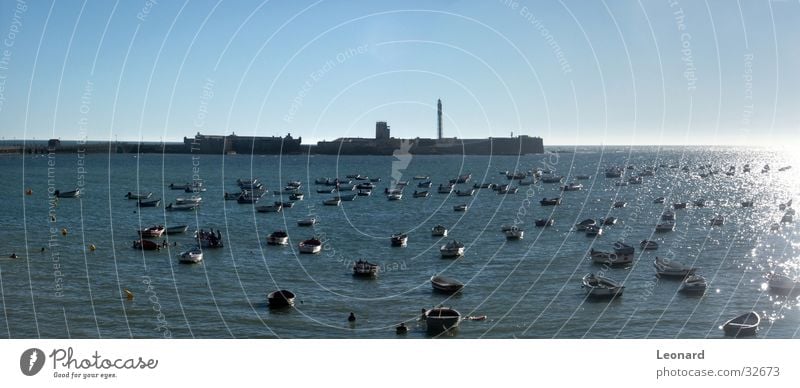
column 63, row 231
column 92, row 247
column 128, row 294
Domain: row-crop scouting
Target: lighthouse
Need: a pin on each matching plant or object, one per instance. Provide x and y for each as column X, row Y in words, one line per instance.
column 439, row 117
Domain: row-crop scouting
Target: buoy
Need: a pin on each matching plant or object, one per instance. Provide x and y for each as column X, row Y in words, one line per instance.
column 92, row 247
column 28, row 192
column 128, row 294
column 351, row 318
column 63, row 231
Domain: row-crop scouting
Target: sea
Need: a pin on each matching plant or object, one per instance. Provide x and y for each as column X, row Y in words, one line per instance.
column 76, row 274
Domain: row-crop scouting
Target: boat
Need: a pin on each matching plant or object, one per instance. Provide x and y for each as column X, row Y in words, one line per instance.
column 151, row 203
column 745, row 325
column 332, row 202
column 601, row 286
column 460, row 208
column 665, row 226
column 296, row 196
column 483, row 185
column 572, row 187
column 746, row 168
column 280, row 298
column 610, row 258
column 138, row 196
column 446, row 285
column 278, row 237
column 782, row 284
column 295, row 184
column 747, row 204
column 694, row 284
column 188, row 201
column 648, row 245
column 699, row 203
column 325, row 191
column 787, row 218
column 506, row 189
column 620, row 183
column 364, row 193
column 176, row 229
column 585, row 224
column 668, row 215
column 542, row 222
column 439, row 231
column 514, row 234
column 363, row 268
column 445, row 189
column 374, row 180
column 717, row 220
column 659, row 200
column 608, row 221
column 192, row 256
column 232, row 196
column 441, row 319
column 307, row 222
column 613, row 172
column 452, row 249
column 775, row 226
column 311, row 246
column 194, row 189
column 425, row 185
column 394, row 196
column 672, row 268
column 516, row 175
column 153, row 231
column 348, row 197
column 365, row 186
column 249, row 197
column 620, row 248
column 583, row 177
column 594, row 231
column 146, row 245
column 620, row 204
column 465, row 193
column 182, row 186
column 421, row 194
column 552, row 179
column 208, row 239
column 186, row 207
column 463, row 178
column 399, row 239
column 550, row 201
column 275, row 208
column 679, row 205
column 421, row 177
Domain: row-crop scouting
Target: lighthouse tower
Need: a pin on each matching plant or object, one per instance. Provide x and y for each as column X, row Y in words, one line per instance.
column 439, row 117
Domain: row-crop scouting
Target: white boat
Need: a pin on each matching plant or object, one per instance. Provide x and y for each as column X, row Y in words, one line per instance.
column 188, row 201
column 514, row 234
column 307, row 221
column 441, row 319
column 609, row 258
column 717, row 220
column 194, row 255
column 446, row 285
column 782, row 284
column 452, row 249
column 648, row 245
column 421, row 177
column 672, row 268
column 572, row 187
column 395, row 196
column 176, row 229
column 332, row 202
column 278, row 237
column 399, row 239
column 439, row 231
column 460, row 208
column 68, row 194
column 312, row 246
column 601, row 286
column 744, row 325
column 694, row 284
column 153, row 231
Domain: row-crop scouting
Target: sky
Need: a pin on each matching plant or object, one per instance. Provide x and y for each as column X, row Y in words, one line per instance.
column 572, row 72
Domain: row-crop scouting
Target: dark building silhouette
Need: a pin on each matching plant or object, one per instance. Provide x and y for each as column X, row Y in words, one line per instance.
column 233, row 144
column 381, row 131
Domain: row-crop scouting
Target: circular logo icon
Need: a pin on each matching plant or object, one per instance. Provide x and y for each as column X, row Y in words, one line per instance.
column 31, row 361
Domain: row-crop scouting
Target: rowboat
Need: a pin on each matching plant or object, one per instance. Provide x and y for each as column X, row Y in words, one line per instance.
column 441, row 319
column 514, row 234
column 145, row 245
column 68, row 194
column 153, row 231
column 782, row 284
column 610, row 259
column 460, row 208
column 296, row 196
column 182, row 186
column 332, row 202
column 742, row 326
column 621, row 248
column 550, row 201
column 585, row 224
column 188, row 201
column 307, row 222
column 363, row 268
column 648, row 245
column 280, row 298
column 673, row 268
column 395, row 196
column 601, row 286
column 138, row 195
column 694, row 284
column 278, row 237
column 194, row 255
column 347, row 197
column 311, row 246
column 542, row 222
column 446, row 285
column 439, row 231
column 594, row 231
column 275, row 208
column 399, row 239
column 421, row 194
column 176, row 229
column 151, row 203
column 465, row 193
column 208, row 239
column 185, row 207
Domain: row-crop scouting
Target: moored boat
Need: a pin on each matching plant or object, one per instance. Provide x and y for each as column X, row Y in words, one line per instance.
column 550, row 201
column 280, row 298
column 441, row 319
column 191, row 256
column 178, row 229
column 151, row 203
column 694, row 284
column 67, row 194
column 585, row 224
column 648, row 245
column 672, row 268
column 421, row 194
column 460, row 208
column 310, row 246
column 146, row 245
column 311, row 221
column 439, row 231
column 399, row 239
column 185, row 207
column 744, row 325
column 153, row 231
column 363, row 268
column 332, row 202
column 452, row 249
column 594, row 231
column 542, row 222
column 138, row 196
column 609, row 258
column 278, row 237
column 601, row 286
column 446, row 285
column 274, row 208
column 514, row 234
column 782, row 284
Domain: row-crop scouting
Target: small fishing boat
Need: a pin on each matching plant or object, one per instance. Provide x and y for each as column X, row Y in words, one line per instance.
column 395, row 196
column 668, row 215
column 176, row 229
column 399, row 239
column 609, row 258
column 542, row 222
column 782, row 284
column 635, row 180
column 363, row 268
column 280, row 298
column 514, row 234
column 620, row 204
column 332, row 202
column 296, row 196
column 717, row 220
column 550, row 201
column 325, row 191
column 182, row 186
column 452, row 249
column 153, row 231
column 775, row 226
column 307, row 221
column 365, row 186
column 672, row 268
column 583, row 177
column 374, row 180
column 460, row 208
column 594, row 231
column 659, row 200
column 151, row 203
column 446, row 285
column 465, row 193
column 208, row 239
column 572, row 187
column 620, row 183
column 745, row 325
column 585, row 224
column 138, row 196
column 421, row 177
column 441, row 319
column 747, row 204
column 552, row 179
column 186, row 207
column 699, row 203
column 445, row 189
column 787, row 218
column 192, row 256
column 601, row 286
column 439, row 231
column 249, row 197
column 421, row 194
column 188, row 201
column 310, row 246
column 364, row 193
column 425, row 185
column 194, row 189
column 694, row 285
column 679, row 205
column 665, row 226
column 608, row 221
column 146, row 245
column 278, row 237
column 648, row 245
column 506, row 189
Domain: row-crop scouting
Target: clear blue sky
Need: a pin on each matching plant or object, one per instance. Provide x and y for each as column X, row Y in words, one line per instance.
column 574, row 72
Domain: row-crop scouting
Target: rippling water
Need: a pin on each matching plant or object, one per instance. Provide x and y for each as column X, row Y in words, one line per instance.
column 527, row 288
